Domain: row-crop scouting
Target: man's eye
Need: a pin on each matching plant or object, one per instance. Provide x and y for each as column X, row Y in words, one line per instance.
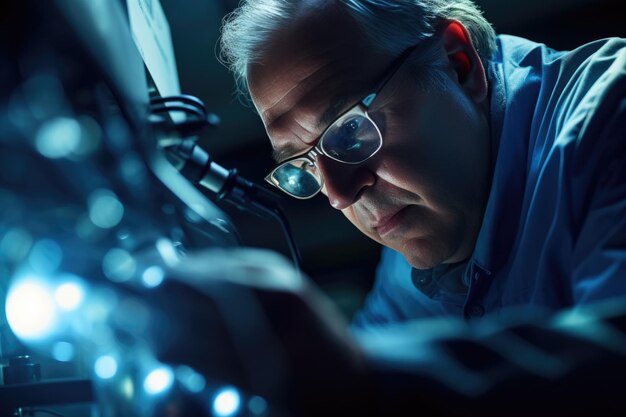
column 351, row 139
column 350, row 127
column 347, row 136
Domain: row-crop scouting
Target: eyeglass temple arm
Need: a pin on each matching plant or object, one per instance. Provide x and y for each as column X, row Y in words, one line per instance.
column 391, row 71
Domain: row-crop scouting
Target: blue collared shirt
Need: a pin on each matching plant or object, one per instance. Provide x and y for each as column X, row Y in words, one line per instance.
column 554, row 231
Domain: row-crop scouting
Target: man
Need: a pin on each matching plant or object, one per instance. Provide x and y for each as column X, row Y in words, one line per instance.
column 492, row 168
column 496, row 173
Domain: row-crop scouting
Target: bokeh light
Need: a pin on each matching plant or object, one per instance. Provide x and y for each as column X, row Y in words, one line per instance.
column 59, row 137
column 153, row 276
column 105, row 367
column 158, row 381
column 190, row 379
column 63, row 351
column 226, row 402
column 15, row 243
column 105, row 209
column 69, row 295
column 118, row 265
column 257, row 405
column 30, row 309
column 45, row 256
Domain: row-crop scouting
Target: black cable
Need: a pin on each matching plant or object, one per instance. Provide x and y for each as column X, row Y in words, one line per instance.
column 293, row 248
column 179, row 107
column 277, row 214
column 182, row 98
column 229, row 186
column 248, row 196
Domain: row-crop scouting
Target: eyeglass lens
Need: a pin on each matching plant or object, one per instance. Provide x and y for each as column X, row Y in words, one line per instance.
column 351, row 139
column 299, row 178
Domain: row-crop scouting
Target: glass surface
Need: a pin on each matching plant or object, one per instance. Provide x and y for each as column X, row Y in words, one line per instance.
column 351, row 139
column 298, row 177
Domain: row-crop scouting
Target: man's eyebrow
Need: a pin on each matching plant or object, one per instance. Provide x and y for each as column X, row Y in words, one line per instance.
column 331, row 114
column 328, row 117
column 283, row 153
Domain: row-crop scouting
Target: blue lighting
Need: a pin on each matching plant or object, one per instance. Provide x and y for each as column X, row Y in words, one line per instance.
column 257, row 405
column 152, row 276
column 158, row 381
column 105, row 367
column 59, row 137
column 105, row 209
column 30, row 309
column 69, row 295
column 226, row 402
column 119, row 265
column 63, row 351
column 190, row 379
column 45, row 257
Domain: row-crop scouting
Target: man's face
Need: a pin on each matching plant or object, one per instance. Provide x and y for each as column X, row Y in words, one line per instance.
column 423, row 194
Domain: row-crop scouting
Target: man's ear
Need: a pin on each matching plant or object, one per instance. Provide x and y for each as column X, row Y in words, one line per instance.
column 464, row 61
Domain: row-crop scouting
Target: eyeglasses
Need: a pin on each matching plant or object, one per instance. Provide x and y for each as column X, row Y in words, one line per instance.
column 352, row 138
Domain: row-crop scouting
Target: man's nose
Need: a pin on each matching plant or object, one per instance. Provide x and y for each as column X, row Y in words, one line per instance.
column 344, row 183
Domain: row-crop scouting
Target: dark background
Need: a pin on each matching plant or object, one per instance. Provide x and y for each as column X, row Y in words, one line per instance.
column 335, row 254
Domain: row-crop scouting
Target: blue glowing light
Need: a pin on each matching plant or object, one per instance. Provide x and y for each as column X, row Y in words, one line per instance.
column 63, row 351
column 15, row 243
column 167, row 251
column 158, row 380
column 58, row 138
column 190, row 379
column 257, row 405
column 119, row 265
column 105, row 209
column 45, row 256
column 226, row 402
column 152, row 276
column 69, row 295
column 30, row 309
column 105, row 367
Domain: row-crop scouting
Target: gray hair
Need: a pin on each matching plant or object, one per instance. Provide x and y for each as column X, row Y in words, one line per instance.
column 390, row 25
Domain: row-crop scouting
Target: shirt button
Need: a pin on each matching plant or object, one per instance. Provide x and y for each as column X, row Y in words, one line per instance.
column 421, row 282
column 476, row 276
column 476, row 310
column 424, row 280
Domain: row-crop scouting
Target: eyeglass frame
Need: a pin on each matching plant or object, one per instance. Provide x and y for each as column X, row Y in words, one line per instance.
column 362, row 106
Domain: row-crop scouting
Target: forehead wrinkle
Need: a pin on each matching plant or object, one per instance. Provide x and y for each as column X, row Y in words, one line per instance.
column 291, row 147
column 316, row 75
column 301, row 123
column 338, row 106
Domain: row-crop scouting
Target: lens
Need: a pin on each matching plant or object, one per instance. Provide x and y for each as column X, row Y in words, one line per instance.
column 352, row 139
column 298, row 178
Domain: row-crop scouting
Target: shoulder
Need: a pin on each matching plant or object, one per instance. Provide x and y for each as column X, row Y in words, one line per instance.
column 516, row 52
column 567, row 97
column 596, row 118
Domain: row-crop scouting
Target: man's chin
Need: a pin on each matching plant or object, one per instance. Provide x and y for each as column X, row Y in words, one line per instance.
column 424, row 253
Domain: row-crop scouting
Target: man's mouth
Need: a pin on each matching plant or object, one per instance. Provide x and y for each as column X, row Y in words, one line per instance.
column 389, row 222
